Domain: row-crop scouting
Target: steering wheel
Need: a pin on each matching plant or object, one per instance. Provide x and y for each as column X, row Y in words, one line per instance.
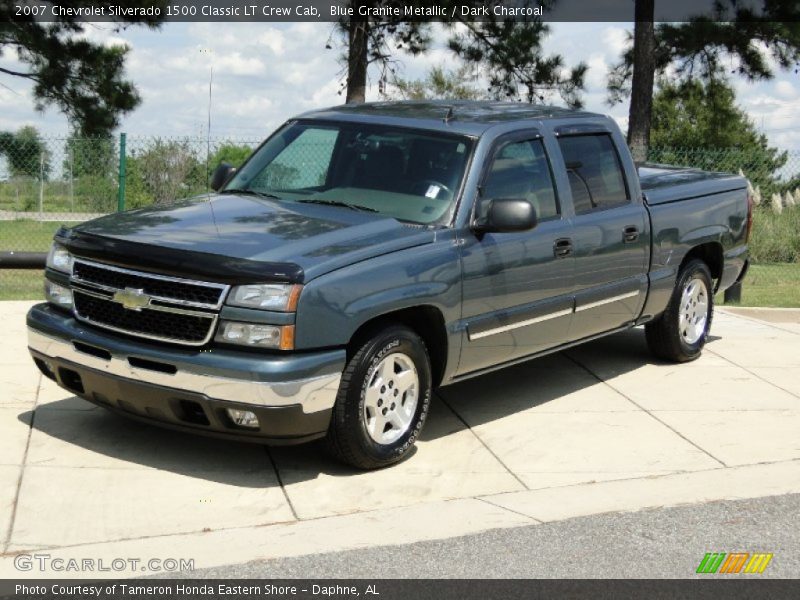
column 424, row 185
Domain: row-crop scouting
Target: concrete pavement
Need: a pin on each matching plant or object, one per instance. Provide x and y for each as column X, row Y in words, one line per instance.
column 600, row 428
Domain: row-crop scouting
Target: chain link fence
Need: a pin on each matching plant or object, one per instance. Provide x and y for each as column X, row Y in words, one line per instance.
column 46, row 182
column 72, row 177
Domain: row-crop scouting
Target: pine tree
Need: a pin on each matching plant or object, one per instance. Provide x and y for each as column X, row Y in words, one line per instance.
column 83, row 79
column 699, row 125
column 509, row 54
column 369, row 41
column 702, row 48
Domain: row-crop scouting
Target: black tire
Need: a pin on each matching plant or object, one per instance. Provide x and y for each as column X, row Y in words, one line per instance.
column 664, row 336
column 348, row 438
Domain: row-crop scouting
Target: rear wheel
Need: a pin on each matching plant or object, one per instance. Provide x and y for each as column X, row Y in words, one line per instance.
column 383, row 400
column 680, row 333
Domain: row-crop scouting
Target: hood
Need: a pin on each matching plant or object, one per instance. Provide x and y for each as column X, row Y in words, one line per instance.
column 235, row 238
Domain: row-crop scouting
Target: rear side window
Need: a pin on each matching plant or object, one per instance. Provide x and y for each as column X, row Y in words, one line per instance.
column 520, row 170
column 594, row 171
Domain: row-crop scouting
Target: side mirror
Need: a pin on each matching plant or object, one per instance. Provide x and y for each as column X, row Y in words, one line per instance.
column 221, row 175
column 506, row 215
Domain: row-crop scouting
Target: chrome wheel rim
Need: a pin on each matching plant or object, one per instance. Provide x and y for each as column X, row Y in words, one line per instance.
column 390, row 402
column 693, row 311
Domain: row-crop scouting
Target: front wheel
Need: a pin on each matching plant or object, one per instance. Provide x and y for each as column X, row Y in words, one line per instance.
column 383, row 400
column 680, row 333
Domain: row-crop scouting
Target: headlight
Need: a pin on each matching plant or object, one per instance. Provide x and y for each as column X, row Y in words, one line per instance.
column 256, row 335
column 59, row 259
column 268, row 296
column 58, row 294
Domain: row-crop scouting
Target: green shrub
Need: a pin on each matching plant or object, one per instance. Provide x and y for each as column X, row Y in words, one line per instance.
column 96, row 193
column 775, row 238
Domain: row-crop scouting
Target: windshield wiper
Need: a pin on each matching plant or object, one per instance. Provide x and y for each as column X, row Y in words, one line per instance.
column 338, row 203
column 250, row 193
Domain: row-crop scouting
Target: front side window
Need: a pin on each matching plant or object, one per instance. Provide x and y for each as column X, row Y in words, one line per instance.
column 520, row 170
column 594, row 171
column 402, row 173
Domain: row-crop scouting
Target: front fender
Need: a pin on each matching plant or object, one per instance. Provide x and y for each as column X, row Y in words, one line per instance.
column 334, row 306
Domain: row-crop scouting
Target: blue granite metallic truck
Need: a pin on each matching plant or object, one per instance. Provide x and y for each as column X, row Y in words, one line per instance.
column 366, row 254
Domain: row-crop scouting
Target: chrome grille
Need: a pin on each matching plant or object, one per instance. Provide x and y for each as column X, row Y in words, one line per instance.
column 185, row 292
column 156, row 307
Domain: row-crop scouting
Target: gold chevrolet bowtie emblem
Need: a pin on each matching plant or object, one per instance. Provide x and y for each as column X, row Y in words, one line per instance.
column 132, row 299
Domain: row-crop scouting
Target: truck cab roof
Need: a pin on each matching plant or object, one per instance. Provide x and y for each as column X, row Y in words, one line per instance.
column 466, row 117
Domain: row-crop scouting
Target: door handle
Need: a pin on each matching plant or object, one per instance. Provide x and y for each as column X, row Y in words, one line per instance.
column 630, row 234
column 562, row 247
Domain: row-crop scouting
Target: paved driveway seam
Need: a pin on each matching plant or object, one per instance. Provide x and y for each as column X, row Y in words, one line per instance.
column 760, row 322
column 157, row 536
column 500, row 495
column 511, row 510
column 280, row 482
column 305, row 521
column 484, row 444
column 756, row 375
column 7, row 541
column 640, row 407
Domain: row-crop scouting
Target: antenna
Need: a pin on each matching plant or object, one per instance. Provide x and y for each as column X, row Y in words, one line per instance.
column 208, row 125
column 449, row 114
column 208, row 133
column 208, row 129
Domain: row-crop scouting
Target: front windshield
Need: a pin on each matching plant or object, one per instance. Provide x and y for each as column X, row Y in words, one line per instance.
column 402, row 173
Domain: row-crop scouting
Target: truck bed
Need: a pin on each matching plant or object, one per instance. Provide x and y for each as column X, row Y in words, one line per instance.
column 675, row 197
column 662, row 184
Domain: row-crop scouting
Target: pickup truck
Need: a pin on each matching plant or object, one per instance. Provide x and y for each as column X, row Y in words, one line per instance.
column 365, row 254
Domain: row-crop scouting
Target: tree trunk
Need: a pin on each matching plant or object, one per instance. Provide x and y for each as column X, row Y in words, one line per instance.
column 357, row 49
column 644, row 66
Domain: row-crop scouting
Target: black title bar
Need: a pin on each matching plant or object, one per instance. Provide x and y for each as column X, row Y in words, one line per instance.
column 398, row 10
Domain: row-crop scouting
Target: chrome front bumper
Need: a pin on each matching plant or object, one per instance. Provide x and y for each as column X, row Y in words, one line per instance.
column 313, row 394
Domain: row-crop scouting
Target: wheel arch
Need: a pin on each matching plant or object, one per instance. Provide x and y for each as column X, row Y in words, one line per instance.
column 426, row 320
column 710, row 253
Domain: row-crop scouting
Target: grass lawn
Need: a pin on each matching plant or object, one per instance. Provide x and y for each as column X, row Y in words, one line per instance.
column 24, row 236
column 28, row 236
column 776, row 284
column 21, row 284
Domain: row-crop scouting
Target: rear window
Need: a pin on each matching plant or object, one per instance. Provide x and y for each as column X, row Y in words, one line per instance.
column 594, row 171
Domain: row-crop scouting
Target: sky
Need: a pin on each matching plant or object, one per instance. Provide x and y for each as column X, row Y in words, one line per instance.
column 264, row 73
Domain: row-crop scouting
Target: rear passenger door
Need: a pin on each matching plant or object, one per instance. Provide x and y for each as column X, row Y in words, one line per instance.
column 517, row 287
column 610, row 235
